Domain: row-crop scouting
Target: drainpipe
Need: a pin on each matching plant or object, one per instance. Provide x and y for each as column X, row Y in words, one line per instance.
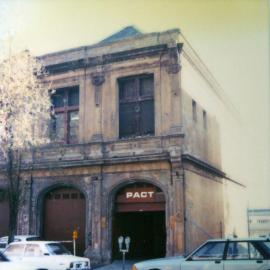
column 30, row 201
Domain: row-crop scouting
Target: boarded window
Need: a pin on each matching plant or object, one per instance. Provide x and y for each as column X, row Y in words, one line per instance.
column 136, row 106
column 65, row 122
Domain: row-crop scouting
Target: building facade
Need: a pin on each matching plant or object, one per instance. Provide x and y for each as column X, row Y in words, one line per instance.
column 132, row 153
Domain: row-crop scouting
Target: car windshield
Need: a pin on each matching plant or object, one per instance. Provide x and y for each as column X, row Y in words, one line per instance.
column 267, row 245
column 57, row 249
column 33, row 238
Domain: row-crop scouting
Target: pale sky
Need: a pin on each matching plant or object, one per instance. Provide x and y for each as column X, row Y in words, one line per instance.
column 231, row 36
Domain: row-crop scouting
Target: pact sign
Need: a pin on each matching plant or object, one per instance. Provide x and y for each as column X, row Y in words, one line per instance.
column 139, row 194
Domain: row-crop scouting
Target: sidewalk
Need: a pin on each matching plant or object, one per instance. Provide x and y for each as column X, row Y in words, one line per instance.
column 117, row 265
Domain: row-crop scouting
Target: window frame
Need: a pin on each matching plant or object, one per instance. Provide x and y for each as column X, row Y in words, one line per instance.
column 33, row 253
column 202, row 246
column 194, row 110
column 255, row 244
column 138, row 99
column 65, row 110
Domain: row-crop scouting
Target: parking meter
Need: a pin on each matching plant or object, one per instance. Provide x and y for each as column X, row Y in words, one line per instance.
column 121, row 241
column 127, row 242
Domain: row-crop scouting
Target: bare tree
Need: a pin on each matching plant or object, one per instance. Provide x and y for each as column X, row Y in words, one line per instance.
column 24, row 108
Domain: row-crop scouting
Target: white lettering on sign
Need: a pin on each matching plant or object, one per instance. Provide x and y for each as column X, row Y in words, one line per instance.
column 129, row 195
column 142, row 194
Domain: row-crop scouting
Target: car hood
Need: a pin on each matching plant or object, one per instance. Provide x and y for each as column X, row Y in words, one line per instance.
column 169, row 261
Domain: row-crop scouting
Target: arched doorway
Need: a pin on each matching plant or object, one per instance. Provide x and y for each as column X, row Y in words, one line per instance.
column 139, row 212
column 4, row 213
column 64, row 212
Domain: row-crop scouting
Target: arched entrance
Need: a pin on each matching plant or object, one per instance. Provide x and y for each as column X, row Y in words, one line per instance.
column 64, row 212
column 139, row 212
column 4, row 213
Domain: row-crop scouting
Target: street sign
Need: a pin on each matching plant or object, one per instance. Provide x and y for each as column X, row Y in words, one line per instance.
column 75, row 235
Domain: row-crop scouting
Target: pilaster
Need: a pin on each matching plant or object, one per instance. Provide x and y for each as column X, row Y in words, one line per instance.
column 177, row 219
column 97, row 80
column 95, row 246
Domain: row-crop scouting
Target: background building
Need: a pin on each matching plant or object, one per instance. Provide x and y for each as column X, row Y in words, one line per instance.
column 259, row 222
column 131, row 154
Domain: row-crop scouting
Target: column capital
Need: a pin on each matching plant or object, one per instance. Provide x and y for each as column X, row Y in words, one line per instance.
column 97, row 79
column 174, row 60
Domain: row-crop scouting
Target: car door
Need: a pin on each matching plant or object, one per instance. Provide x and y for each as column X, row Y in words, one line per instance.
column 244, row 255
column 34, row 256
column 207, row 257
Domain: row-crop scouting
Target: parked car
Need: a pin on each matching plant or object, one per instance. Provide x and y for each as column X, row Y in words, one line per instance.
column 225, row 254
column 17, row 238
column 6, row 264
column 46, row 254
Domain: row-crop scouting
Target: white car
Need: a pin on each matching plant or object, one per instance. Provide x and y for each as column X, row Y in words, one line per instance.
column 17, row 238
column 6, row 264
column 218, row 254
column 47, row 255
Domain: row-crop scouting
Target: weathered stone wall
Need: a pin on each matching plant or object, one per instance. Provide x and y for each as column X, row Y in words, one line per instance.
column 202, row 140
column 203, row 207
column 100, row 184
column 99, row 103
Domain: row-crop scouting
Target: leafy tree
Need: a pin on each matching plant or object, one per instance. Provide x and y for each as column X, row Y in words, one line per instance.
column 24, row 110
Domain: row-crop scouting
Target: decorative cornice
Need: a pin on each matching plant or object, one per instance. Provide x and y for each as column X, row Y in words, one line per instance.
column 203, row 165
column 109, row 58
column 209, row 168
column 96, row 162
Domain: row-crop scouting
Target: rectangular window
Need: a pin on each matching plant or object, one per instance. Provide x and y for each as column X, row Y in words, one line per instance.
column 204, row 120
column 243, row 251
column 210, row 251
column 194, row 110
column 32, row 250
column 65, row 122
column 136, row 106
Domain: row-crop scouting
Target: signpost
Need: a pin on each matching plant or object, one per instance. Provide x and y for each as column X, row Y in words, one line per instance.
column 74, row 237
column 121, row 241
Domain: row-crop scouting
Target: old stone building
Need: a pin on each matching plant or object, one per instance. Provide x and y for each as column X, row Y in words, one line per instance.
column 131, row 154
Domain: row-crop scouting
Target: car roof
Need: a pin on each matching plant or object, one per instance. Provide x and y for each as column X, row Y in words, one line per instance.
column 234, row 239
column 19, row 237
column 35, row 242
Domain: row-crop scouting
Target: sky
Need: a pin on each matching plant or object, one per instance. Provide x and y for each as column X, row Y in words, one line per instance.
column 231, row 37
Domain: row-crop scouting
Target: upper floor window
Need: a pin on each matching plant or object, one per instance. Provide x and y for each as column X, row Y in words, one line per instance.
column 65, row 122
column 136, row 106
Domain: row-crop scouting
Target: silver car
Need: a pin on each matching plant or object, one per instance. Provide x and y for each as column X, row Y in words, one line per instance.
column 218, row 254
